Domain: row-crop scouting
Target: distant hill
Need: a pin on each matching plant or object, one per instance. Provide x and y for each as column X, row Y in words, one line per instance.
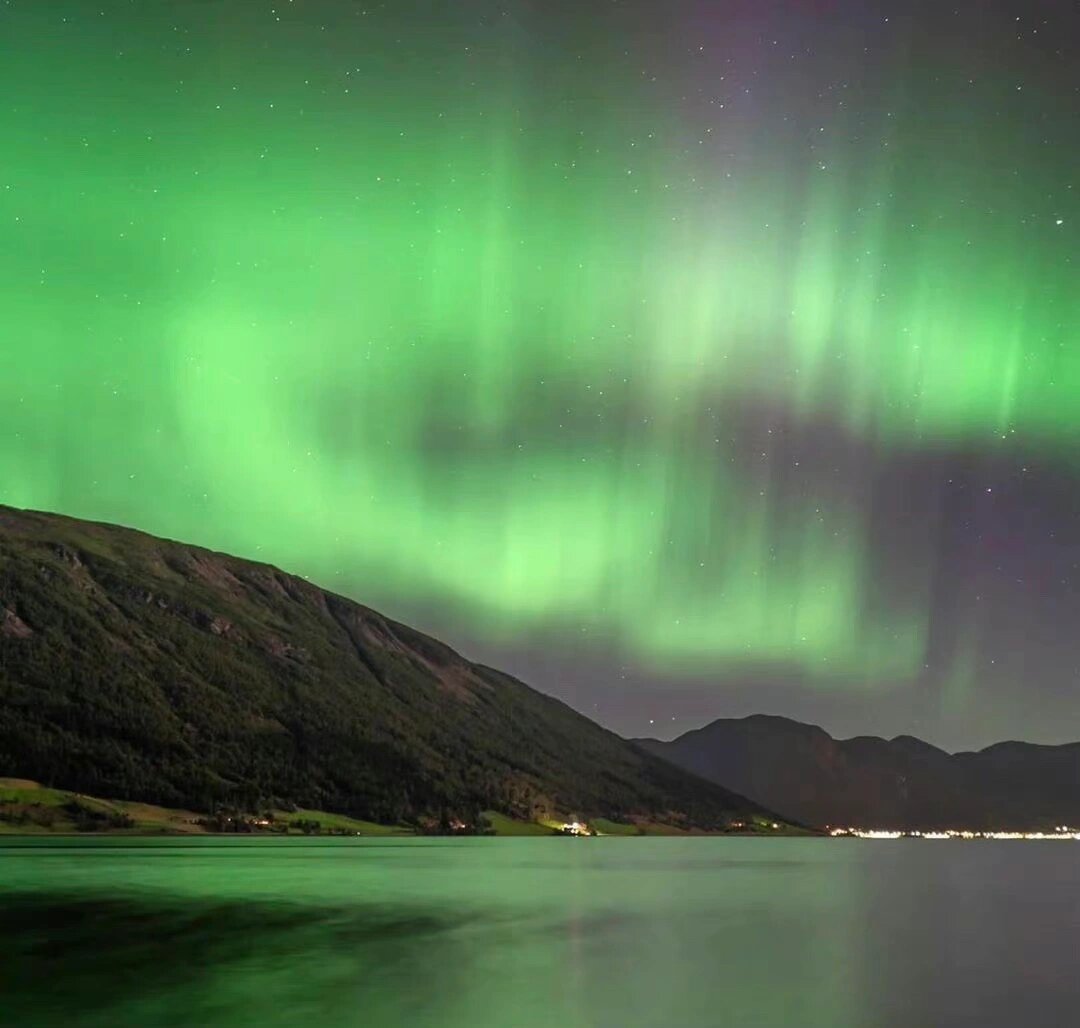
column 136, row 668
column 801, row 771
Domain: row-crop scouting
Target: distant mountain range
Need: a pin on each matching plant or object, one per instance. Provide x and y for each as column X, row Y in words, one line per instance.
column 140, row 669
column 867, row 782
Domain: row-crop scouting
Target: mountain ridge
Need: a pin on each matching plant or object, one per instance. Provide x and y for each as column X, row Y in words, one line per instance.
column 870, row 781
column 148, row 669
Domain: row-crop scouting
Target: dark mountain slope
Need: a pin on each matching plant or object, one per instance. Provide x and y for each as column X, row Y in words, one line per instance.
column 869, row 782
column 144, row 669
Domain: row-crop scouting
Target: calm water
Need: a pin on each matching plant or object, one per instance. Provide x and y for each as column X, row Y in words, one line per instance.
column 519, row 933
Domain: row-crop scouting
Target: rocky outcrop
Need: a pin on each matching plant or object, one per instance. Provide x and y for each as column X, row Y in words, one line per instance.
column 12, row 626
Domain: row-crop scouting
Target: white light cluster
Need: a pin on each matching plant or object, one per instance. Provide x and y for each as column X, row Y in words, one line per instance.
column 1062, row 832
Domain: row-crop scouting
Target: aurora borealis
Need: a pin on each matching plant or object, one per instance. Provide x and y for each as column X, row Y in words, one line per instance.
column 687, row 359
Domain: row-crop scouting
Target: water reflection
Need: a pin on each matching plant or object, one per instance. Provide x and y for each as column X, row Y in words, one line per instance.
column 533, row 933
column 143, row 960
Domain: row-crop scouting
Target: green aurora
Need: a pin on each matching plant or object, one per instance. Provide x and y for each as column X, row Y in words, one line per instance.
column 514, row 316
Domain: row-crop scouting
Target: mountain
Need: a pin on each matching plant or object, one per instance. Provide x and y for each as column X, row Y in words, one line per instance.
column 148, row 670
column 867, row 782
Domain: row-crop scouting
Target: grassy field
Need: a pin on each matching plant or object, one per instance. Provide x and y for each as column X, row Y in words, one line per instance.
column 28, row 808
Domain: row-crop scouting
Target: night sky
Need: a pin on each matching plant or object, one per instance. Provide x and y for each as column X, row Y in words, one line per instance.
column 687, row 359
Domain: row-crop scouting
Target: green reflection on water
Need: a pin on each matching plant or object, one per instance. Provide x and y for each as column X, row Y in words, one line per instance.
column 516, row 933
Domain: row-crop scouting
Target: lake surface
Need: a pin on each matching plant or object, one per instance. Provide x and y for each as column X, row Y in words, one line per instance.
column 523, row 933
